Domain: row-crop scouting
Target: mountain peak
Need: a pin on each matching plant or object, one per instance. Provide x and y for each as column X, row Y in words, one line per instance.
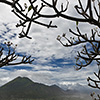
column 23, row 87
column 22, row 78
column 19, row 82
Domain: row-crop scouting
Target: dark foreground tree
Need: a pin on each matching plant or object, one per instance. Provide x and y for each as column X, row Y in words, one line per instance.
column 89, row 13
column 8, row 56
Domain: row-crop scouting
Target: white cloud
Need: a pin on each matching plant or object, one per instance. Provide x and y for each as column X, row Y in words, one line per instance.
column 49, row 75
column 44, row 47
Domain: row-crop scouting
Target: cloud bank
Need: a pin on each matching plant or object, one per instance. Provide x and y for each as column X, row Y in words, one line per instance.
column 53, row 63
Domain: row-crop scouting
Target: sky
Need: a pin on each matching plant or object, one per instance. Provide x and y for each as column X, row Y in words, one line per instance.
column 53, row 63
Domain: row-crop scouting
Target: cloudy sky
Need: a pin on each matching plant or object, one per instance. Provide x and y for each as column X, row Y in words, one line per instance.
column 53, row 63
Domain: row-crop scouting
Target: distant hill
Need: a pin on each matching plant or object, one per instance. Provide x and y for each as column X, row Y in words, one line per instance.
column 24, row 88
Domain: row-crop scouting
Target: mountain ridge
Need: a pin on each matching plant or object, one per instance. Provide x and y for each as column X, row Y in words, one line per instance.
column 23, row 87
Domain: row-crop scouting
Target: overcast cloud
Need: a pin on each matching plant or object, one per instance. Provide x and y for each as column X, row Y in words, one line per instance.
column 53, row 63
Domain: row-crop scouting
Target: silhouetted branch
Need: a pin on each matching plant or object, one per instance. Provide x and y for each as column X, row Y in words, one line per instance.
column 10, row 58
column 32, row 14
column 86, row 56
column 35, row 15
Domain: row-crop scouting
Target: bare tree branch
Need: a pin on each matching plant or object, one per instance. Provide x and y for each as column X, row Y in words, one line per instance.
column 10, row 58
column 19, row 11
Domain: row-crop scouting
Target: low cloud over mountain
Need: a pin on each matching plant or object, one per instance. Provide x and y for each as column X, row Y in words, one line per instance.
column 24, row 88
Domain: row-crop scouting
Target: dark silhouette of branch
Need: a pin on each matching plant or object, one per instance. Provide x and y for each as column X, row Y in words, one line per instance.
column 94, row 83
column 6, row 2
column 86, row 56
column 25, row 17
column 10, row 57
column 90, row 13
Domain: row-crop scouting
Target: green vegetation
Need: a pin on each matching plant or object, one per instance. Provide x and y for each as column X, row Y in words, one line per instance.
column 25, row 89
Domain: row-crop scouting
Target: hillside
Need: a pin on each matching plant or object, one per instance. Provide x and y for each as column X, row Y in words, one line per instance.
column 27, row 89
column 22, row 88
